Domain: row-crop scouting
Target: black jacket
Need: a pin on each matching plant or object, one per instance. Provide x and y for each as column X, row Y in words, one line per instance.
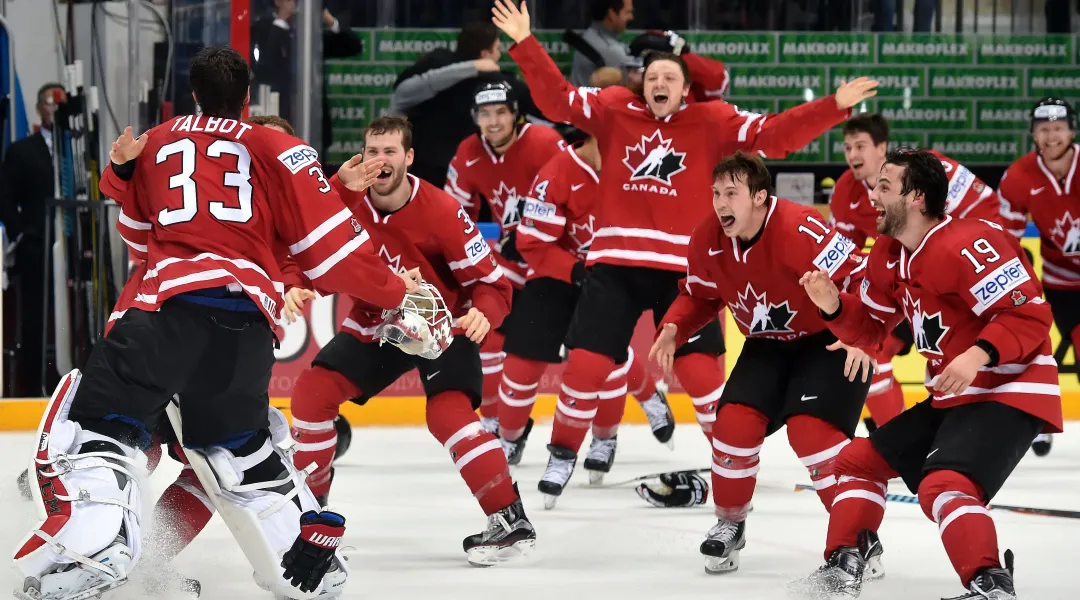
column 26, row 182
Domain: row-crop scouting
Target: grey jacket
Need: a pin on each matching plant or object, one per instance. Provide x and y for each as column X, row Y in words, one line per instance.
column 607, row 45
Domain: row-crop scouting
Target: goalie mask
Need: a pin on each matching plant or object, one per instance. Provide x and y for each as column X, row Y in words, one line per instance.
column 421, row 325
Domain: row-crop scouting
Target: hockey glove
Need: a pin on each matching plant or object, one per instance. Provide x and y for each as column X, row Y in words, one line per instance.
column 313, row 551
column 577, row 274
column 508, row 247
column 681, row 488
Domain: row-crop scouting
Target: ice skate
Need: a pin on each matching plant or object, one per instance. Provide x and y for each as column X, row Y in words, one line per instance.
column 992, row 584
column 509, row 536
column 559, row 469
column 1041, row 445
column 600, row 458
column 841, row 577
column 514, row 449
column 104, row 571
column 722, row 546
column 661, row 420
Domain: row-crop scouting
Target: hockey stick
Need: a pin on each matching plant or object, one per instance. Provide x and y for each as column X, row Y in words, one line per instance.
column 1026, row 510
column 651, row 476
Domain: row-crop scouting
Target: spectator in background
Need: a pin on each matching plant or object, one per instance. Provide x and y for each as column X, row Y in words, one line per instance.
column 610, row 18
column 924, row 15
column 26, row 182
column 436, row 94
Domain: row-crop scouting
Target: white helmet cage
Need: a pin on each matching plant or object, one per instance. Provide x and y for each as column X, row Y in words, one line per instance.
column 421, row 325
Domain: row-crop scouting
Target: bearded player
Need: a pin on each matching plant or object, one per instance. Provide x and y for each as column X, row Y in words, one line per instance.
column 418, row 227
column 496, row 166
column 980, row 320
column 1043, row 184
column 657, row 154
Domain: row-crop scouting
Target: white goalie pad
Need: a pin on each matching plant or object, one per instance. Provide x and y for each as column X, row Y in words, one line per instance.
column 90, row 505
column 264, row 522
column 422, row 325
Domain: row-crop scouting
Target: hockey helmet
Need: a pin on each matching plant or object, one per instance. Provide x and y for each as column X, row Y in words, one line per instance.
column 1053, row 109
column 421, row 326
column 494, row 92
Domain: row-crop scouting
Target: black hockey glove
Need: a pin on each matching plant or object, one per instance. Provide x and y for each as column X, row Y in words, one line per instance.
column 508, row 247
column 578, row 273
column 681, row 488
column 313, row 551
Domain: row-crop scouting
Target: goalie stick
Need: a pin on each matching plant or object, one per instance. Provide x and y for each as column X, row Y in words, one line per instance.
column 1026, row 510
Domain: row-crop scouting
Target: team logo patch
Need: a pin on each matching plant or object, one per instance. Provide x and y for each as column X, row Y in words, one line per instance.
column 759, row 316
column 356, row 227
column 1066, row 234
column 1018, row 298
column 507, row 198
column 928, row 329
column 654, row 159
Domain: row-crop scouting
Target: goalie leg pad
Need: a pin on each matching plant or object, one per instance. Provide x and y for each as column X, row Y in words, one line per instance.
column 261, row 496
column 88, row 496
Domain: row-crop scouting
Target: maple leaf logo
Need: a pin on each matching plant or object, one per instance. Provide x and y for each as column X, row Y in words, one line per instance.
column 654, row 159
column 762, row 317
column 394, row 262
column 928, row 329
column 582, row 234
column 1066, row 233
column 506, row 200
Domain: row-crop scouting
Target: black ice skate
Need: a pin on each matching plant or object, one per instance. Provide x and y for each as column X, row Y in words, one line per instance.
column 559, row 469
column 514, row 449
column 600, row 458
column 1042, row 444
column 992, row 584
column 24, row 485
column 509, row 535
column 722, row 545
column 661, row 420
column 841, row 577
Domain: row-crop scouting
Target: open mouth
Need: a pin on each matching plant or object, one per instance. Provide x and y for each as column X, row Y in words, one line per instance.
column 857, row 165
column 385, row 174
column 726, row 221
column 880, row 211
column 660, row 97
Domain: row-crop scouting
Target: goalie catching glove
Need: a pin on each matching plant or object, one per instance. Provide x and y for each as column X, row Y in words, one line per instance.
column 312, row 554
column 681, row 488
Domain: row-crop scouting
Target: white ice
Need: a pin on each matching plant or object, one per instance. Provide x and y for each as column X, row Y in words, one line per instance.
column 408, row 510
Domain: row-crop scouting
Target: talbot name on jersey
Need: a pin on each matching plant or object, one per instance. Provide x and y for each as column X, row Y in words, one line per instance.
column 205, row 124
column 476, row 249
column 541, row 211
column 298, row 157
column 832, row 257
column 998, row 283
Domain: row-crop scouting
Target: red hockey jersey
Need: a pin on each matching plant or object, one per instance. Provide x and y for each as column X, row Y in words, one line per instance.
column 220, row 194
column 1028, row 187
column 852, row 213
column 556, row 227
column 967, row 280
column 433, row 232
column 476, row 173
column 655, row 184
column 759, row 280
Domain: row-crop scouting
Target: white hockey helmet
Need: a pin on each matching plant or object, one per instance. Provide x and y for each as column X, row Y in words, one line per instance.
column 421, row 325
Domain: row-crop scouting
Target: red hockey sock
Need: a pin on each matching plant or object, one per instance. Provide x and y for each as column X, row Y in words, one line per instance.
column 585, row 375
column 817, row 443
column 316, row 399
column 861, row 483
column 738, row 434
column 1074, row 336
column 702, row 378
column 967, row 531
column 517, row 394
column 611, row 403
column 639, row 382
column 182, row 511
column 885, row 399
column 491, row 359
column 476, row 453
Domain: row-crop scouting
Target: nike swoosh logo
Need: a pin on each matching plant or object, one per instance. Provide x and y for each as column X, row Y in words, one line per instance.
column 472, row 162
column 631, row 106
column 429, row 377
column 932, row 452
column 890, row 265
column 853, row 205
column 715, row 252
column 1037, row 190
column 577, row 187
column 693, row 339
column 805, row 398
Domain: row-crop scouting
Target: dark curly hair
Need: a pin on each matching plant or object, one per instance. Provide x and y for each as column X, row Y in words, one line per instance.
column 923, row 174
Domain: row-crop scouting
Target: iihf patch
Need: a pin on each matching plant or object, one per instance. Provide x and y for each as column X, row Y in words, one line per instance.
column 1018, row 298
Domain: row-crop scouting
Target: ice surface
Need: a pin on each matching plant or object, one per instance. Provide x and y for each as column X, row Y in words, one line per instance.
column 408, row 510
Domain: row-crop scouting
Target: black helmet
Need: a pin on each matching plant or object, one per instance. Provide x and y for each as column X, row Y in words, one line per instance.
column 1053, row 109
column 495, row 92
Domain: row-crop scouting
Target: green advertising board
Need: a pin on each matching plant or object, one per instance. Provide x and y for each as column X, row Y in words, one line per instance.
column 969, row 96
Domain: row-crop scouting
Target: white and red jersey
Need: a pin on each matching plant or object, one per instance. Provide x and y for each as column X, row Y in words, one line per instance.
column 758, row 280
column 968, row 280
column 1028, row 187
column 852, row 213
column 556, row 227
column 220, row 194
column 657, row 173
column 709, row 78
column 433, row 232
column 477, row 174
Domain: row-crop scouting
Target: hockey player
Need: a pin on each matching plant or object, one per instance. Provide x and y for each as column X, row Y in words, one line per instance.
column 190, row 334
column 980, row 320
column 554, row 237
column 748, row 257
column 419, row 227
column 658, row 154
column 496, row 166
column 1041, row 184
column 866, row 140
